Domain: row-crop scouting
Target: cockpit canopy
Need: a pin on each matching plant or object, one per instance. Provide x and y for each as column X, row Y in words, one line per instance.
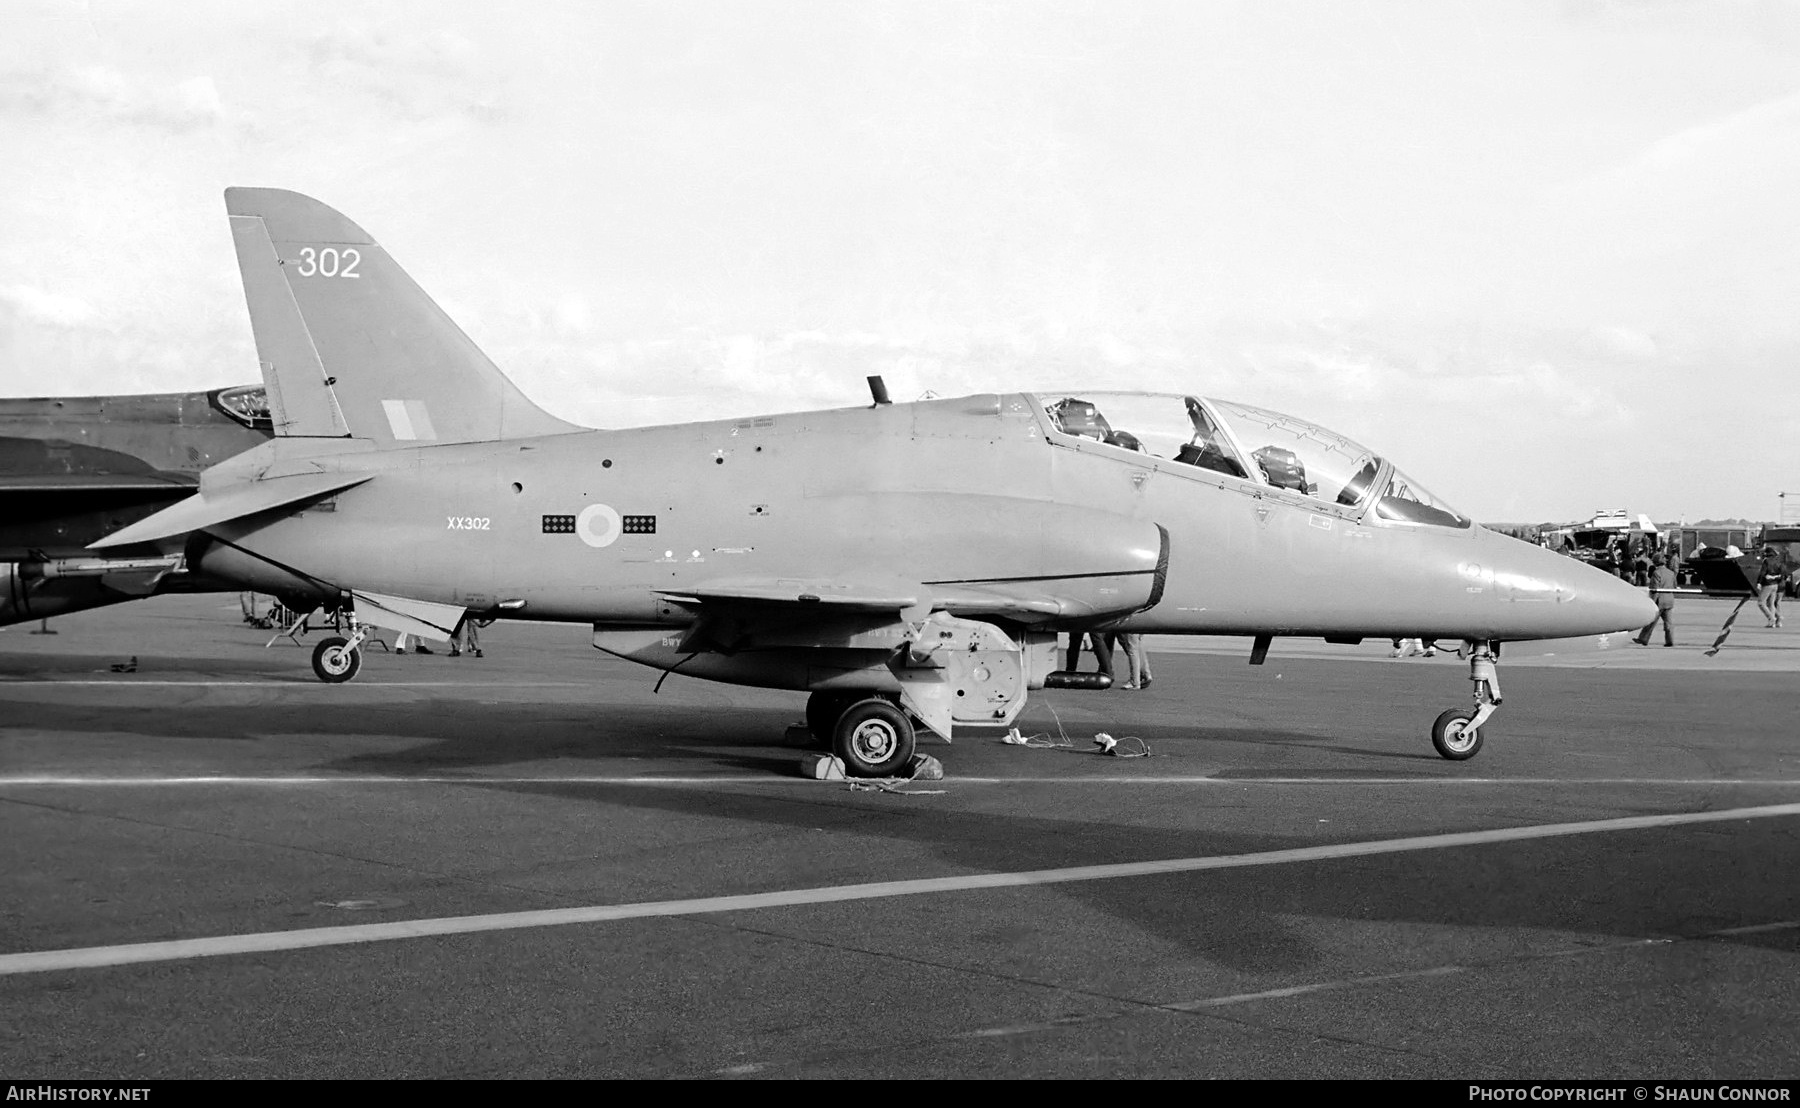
column 1253, row 445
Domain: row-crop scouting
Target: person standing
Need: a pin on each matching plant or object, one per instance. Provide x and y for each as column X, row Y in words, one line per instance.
column 1406, row 648
column 418, row 646
column 1137, row 658
column 1640, row 563
column 1103, row 656
column 1662, row 589
column 1768, row 586
column 465, row 640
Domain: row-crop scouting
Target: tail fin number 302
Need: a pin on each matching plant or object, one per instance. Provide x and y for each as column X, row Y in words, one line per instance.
column 329, row 262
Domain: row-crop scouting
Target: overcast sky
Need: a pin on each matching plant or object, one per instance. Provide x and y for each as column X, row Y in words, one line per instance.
column 1541, row 254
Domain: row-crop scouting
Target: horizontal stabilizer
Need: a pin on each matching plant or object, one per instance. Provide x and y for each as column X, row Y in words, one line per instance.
column 409, row 617
column 231, row 502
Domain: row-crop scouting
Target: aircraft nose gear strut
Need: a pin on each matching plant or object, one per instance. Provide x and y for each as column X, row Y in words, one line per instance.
column 1457, row 732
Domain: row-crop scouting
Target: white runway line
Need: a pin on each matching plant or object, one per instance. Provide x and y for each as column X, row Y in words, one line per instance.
column 71, row 781
column 124, row 682
column 51, row 781
column 1316, row 987
column 1308, row 989
column 181, row 949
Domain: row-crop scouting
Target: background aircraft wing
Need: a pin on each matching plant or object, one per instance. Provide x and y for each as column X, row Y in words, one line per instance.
column 27, row 483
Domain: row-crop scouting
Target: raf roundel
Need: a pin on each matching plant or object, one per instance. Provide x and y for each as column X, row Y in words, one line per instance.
column 598, row 525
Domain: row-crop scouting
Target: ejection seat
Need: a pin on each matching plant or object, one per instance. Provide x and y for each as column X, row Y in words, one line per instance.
column 1208, row 456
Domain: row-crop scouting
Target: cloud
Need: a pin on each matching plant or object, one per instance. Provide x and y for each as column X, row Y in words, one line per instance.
column 1772, row 124
column 25, row 304
column 97, row 92
column 1624, row 342
column 418, row 76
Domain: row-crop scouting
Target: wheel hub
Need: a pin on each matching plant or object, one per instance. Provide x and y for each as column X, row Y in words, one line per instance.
column 874, row 740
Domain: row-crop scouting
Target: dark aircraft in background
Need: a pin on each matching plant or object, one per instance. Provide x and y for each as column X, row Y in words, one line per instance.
column 902, row 563
column 73, row 469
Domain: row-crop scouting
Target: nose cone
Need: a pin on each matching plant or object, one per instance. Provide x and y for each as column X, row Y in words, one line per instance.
column 1553, row 596
column 1608, row 603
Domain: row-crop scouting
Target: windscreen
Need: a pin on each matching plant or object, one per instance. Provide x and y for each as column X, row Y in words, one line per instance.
column 1407, row 501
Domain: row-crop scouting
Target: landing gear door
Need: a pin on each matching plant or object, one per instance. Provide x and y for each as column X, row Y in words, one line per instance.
column 961, row 671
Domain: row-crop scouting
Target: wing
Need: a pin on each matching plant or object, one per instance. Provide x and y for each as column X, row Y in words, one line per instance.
column 744, row 613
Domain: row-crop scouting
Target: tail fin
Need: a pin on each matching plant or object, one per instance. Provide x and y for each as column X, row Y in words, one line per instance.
column 350, row 346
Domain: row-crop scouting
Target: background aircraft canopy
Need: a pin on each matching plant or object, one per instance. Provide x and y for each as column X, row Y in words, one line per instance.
column 248, row 404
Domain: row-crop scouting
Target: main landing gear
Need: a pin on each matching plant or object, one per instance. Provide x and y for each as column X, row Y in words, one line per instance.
column 870, row 732
column 1457, row 732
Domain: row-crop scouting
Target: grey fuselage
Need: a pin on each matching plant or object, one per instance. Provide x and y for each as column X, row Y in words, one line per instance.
column 977, row 493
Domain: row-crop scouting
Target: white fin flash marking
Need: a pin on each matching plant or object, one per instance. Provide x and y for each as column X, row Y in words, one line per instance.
column 409, row 420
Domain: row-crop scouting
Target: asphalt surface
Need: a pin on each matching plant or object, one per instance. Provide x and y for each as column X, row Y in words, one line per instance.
column 533, row 865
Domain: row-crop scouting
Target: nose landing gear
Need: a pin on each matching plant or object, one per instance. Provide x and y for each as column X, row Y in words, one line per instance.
column 336, row 660
column 1457, row 732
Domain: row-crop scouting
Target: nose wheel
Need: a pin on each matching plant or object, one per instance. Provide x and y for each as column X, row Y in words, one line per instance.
column 336, row 660
column 1457, row 733
column 1454, row 738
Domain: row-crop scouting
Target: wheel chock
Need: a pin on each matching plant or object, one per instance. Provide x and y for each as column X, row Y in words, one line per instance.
column 924, row 767
column 822, row 767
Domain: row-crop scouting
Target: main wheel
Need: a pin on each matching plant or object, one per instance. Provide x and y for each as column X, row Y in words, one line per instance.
column 1453, row 736
column 333, row 662
column 823, row 709
column 874, row 738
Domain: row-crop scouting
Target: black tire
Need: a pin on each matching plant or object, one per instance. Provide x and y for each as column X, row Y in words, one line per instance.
column 333, row 664
column 874, row 738
column 823, row 709
column 1453, row 739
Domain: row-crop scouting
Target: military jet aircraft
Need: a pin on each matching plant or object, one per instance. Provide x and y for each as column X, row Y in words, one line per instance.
column 73, row 469
column 902, row 563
